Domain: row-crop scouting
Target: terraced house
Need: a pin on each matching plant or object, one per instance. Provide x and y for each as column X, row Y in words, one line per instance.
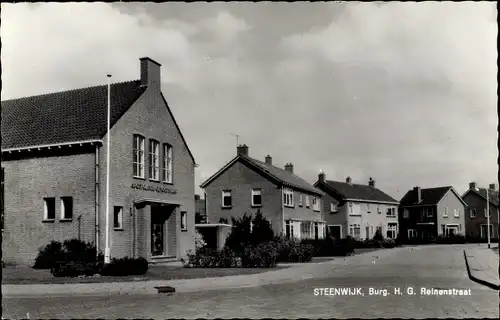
column 54, row 163
column 245, row 185
column 428, row 213
column 476, row 219
column 357, row 210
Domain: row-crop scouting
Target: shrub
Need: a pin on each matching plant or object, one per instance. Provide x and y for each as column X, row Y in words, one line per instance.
column 125, row 266
column 49, row 255
column 263, row 255
column 453, row 239
column 261, row 230
column 344, row 247
column 199, row 242
column 240, row 235
column 321, row 247
column 388, row 243
column 211, row 258
column 292, row 250
column 378, row 236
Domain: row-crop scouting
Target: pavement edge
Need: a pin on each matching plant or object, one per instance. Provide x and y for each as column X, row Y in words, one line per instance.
column 480, row 281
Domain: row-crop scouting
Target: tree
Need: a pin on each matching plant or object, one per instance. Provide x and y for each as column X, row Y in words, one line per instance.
column 262, row 230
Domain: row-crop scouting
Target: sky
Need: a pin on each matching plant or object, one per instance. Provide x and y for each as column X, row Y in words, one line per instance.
column 401, row 92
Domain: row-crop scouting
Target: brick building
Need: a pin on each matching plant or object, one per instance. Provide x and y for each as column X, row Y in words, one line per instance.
column 54, row 164
column 357, row 210
column 245, row 185
column 476, row 219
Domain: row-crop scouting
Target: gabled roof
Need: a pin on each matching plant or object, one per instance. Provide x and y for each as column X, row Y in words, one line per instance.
column 74, row 115
column 481, row 192
column 274, row 174
column 357, row 192
column 429, row 196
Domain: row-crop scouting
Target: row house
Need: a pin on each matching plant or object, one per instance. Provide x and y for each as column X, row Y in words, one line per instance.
column 245, row 185
column 357, row 210
column 428, row 213
column 476, row 219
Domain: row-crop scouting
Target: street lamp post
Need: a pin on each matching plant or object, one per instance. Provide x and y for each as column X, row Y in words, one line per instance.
column 488, row 217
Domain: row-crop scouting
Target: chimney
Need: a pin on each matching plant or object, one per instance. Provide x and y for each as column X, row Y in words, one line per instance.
column 348, row 180
column 493, row 187
column 269, row 160
column 289, row 167
column 150, row 73
column 321, row 176
column 419, row 193
column 196, row 197
column 371, row 183
column 472, row 185
column 242, row 150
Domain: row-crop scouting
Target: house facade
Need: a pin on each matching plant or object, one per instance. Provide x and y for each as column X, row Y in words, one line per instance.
column 54, row 152
column 245, row 185
column 476, row 220
column 432, row 212
column 357, row 210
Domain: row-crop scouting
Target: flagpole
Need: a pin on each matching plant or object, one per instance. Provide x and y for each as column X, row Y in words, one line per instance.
column 107, row 257
column 488, row 216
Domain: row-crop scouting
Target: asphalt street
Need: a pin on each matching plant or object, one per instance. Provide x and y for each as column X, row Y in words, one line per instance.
column 428, row 267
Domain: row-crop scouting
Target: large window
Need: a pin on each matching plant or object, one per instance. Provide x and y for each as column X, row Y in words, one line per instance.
column 154, row 160
column 355, row 231
column 66, row 208
column 288, row 197
column 49, row 209
column 138, row 156
column 354, row 209
column 289, row 229
column 256, row 197
column 226, row 199
column 392, row 230
column 306, row 230
column 391, row 212
column 167, row 163
column 118, row 218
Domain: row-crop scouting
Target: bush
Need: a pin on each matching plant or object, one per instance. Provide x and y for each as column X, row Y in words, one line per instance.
column 263, row 255
column 262, row 232
column 125, row 266
column 378, row 236
column 321, row 247
column 292, row 250
column 74, row 269
column 199, row 242
column 388, row 243
column 211, row 258
column 49, row 255
column 453, row 239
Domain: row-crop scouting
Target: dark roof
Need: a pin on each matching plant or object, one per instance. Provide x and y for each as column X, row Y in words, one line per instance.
column 274, row 173
column 68, row 116
column 493, row 195
column 359, row 191
column 430, row 196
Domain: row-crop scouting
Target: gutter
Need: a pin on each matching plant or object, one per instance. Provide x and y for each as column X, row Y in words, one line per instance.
column 53, row 145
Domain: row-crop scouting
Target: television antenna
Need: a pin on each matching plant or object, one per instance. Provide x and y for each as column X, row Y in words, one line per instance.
column 237, row 138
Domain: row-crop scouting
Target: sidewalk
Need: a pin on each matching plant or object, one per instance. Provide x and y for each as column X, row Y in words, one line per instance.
column 296, row 273
column 482, row 265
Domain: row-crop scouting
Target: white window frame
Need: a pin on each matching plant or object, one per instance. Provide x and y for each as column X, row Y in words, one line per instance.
column 256, row 192
column 46, row 209
column 412, row 233
column 154, row 160
column 406, row 213
column 167, row 170
column 445, row 214
column 315, row 204
column 492, row 230
column 472, row 213
column 139, row 142
column 391, row 212
column 428, row 212
column 354, row 209
column 486, row 213
column 288, row 198
column 184, row 221
column 118, row 220
column 308, row 203
column 353, row 228
column 379, row 209
column 392, row 227
column 64, row 205
column 333, row 207
column 289, row 224
column 456, row 213
column 300, row 199
column 226, row 194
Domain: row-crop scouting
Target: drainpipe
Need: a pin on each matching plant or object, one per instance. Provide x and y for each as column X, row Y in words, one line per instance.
column 97, row 199
column 132, row 214
column 282, row 213
column 79, row 226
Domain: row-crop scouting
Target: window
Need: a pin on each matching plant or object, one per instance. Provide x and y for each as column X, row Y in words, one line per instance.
column 315, row 204
column 307, row 202
column 355, row 231
column 379, row 209
column 256, row 198
column 289, row 229
column 445, row 214
column 391, row 212
column 354, row 209
column 427, row 212
column 486, row 213
column 183, row 220
column 226, row 199
column 300, row 199
column 49, row 209
column 406, row 213
column 288, row 197
column 138, row 156
column 456, row 213
column 154, row 160
column 368, row 209
column 412, row 233
column 66, row 208
column 118, row 218
column 1, row 196
column 305, row 230
column 333, row 207
column 473, row 213
column 316, row 231
column 392, row 230
column 167, row 163
column 484, row 231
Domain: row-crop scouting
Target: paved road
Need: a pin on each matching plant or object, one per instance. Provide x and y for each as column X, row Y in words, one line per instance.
column 429, row 267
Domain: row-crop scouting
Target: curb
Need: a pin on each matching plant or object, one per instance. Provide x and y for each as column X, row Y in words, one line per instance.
column 480, row 281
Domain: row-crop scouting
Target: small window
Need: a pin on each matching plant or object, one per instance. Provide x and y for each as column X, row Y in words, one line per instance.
column 486, row 214
column 49, row 210
column 445, row 214
column 472, row 213
column 368, row 208
column 406, row 213
column 300, row 199
column 226, row 199
column 315, row 204
column 288, row 198
column 428, row 212
column 308, row 204
column 66, row 208
column 118, row 218
column 456, row 213
column 391, row 212
column 256, row 198
column 183, row 220
column 333, row 207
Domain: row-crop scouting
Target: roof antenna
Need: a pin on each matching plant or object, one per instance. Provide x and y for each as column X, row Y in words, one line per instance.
column 237, row 138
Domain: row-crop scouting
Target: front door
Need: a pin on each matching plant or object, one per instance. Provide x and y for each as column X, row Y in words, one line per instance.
column 158, row 229
column 335, row 231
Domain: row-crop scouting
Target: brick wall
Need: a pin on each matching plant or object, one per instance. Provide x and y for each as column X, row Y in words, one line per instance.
column 473, row 225
column 450, row 201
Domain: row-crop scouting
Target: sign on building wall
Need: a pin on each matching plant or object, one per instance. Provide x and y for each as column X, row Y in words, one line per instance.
column 160, row 189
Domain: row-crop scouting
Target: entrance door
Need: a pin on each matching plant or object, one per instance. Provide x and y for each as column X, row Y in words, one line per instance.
column 335, row 231
column 158, row 229
column 484, row 231
column 368, row 233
